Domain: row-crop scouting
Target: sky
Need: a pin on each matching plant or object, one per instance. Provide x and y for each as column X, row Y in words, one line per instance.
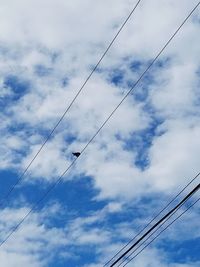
column 145, row 154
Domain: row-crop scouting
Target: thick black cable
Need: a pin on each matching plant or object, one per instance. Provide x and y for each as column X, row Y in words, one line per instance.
column 153, row 219
column 160, row 226
column 73, row 162
column 162, row 231
column 156, row 224
column 68, row 108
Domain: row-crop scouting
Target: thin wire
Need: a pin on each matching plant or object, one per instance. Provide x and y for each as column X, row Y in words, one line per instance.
column 155, row 230
column 156, row 224
column 68, row 108
column 162, row 231
column 73, row 162
column 156, row 216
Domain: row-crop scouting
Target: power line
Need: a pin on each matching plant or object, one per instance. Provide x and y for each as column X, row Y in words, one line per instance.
column 70, row 105
column 156, row 224
column 155, row 231
column 73, row 162
column 162, row 231
column 153, row 219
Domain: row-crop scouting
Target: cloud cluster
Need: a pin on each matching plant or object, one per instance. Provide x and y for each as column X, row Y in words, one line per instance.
column 150, row 145
column 54, row 60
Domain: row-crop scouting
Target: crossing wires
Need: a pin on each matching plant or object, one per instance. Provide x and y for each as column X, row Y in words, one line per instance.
column 152, row 220
column 162, row 220
column 172, row 222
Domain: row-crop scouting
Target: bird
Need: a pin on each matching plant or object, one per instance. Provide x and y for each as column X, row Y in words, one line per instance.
column 76, row 154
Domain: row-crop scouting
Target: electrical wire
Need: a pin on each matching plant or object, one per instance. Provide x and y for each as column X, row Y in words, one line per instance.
column 162, row 231
column 153, row 219
column 157, row 224
column 20, row 178
column 73, row 162
column 164, row 222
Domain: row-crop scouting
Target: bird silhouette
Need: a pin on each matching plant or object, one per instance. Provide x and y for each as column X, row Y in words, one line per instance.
column 76, row 154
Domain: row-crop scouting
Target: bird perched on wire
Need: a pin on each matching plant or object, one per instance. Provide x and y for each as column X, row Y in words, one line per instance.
column 76, row 154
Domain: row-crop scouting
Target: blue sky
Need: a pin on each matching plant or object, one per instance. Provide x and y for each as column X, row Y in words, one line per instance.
column 143, row 156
